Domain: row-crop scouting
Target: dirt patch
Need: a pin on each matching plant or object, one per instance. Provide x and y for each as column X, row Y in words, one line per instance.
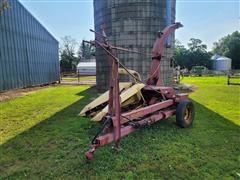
column 5, row 96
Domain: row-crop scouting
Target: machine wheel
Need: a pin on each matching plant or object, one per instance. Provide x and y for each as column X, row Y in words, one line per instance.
column 185, row 114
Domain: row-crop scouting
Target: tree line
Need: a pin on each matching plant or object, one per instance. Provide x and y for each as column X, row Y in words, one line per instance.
column 195, row 54
column 71, row 53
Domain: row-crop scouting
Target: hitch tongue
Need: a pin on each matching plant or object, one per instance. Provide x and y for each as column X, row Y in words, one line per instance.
column 89, row 154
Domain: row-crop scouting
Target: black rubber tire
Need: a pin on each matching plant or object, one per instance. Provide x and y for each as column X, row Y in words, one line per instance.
column 185, row 114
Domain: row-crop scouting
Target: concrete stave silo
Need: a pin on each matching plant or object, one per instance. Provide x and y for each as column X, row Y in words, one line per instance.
column 133, row 25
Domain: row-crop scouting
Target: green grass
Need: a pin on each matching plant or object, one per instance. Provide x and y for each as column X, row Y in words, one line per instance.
column 81, row 78
column 22, row 113
column 215, row 94
column 51, row 141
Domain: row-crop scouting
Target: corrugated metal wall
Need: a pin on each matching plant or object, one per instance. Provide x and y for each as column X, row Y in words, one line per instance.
column 133, row 24
column 28, row 52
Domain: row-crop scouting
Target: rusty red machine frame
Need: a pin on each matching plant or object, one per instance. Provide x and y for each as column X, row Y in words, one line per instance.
column 121, row 124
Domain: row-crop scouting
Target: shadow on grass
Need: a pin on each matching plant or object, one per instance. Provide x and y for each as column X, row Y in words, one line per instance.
column 55, row 148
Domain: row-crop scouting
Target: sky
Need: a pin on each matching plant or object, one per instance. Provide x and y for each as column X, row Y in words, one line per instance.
column 208, row 20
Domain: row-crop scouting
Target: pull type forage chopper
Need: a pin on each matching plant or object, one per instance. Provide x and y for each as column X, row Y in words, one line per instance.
column 128, row 106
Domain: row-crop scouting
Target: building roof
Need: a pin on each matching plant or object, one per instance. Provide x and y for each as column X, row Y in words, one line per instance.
column 86, row 64
column 219, row 58
column 222, row 58
column 215, row 56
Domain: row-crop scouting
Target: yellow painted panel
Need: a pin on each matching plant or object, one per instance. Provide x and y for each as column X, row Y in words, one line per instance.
column 135, row 90
column 103, row 98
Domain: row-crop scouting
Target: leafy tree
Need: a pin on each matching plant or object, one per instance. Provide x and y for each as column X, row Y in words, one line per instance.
column 195, row 55
column 198, row 53
column 196, row 45
column 68, row 44
column 4, row 5
column 229, row 46
column 181, row 55
column 68, row 60
column 86, row 51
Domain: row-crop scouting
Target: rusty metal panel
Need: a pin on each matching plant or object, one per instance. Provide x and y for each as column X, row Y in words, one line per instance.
column 28, row 52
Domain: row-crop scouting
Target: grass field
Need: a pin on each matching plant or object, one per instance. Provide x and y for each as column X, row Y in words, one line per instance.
column 42, row 137
column 215, row 94
column 81, row 78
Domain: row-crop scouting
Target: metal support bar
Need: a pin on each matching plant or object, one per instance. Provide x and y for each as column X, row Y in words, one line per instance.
column 145, row 111
column 109, row 137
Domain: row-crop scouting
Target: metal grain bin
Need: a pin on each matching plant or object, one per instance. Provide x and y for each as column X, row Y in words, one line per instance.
column 222, row 64
column 28, row 52
column 133, row 24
